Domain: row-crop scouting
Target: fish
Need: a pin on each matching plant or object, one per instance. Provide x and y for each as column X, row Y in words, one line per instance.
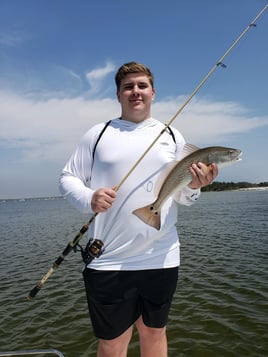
column 178, row 176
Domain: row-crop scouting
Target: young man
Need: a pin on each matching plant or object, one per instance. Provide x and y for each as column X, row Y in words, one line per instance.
column 133, row 281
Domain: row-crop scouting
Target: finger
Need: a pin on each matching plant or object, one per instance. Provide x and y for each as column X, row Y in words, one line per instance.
column 112, row 192
column 206, row 169
column 215, row 170
column 103, row 200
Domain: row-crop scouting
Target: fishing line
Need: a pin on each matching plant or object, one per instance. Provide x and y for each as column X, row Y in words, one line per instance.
column 198, row 87
column 95, row 248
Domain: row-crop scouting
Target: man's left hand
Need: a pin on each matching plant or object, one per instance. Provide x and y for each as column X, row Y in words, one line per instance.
column 202, row 174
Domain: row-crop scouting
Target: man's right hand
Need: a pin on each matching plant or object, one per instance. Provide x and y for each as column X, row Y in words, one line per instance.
column 103, row 199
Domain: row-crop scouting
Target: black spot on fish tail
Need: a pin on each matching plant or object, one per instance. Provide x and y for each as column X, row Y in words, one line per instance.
column 149, row 215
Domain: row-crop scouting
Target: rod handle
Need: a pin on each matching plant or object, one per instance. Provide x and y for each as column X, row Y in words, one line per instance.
column 33, row 293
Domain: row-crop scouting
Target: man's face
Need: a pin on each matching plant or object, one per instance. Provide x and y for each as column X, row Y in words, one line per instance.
column 135, row 96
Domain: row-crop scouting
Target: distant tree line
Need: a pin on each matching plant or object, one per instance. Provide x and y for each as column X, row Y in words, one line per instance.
column 227, row 186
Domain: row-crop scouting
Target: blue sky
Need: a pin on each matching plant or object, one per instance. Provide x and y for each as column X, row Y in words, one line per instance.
column 57, row 64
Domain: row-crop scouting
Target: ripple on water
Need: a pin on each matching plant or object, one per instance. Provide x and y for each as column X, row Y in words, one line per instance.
column 220, row 306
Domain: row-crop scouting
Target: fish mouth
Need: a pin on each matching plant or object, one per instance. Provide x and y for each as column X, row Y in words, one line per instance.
column 236, row 154
column 239, row 154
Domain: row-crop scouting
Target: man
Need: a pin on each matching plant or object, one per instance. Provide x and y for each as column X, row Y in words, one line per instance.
column 133, row 281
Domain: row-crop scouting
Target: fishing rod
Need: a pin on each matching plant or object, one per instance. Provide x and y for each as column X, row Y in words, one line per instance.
column 94, row 247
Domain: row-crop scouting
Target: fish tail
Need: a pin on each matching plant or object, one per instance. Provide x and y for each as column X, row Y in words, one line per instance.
column 149, row 215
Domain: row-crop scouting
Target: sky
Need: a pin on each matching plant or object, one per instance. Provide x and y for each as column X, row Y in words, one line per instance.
column 58, row 59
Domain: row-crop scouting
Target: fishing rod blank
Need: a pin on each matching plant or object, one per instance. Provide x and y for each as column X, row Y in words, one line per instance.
column 219, row 63
column 98, row 249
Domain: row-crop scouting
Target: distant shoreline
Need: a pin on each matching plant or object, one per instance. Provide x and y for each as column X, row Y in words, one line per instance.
column 235, row 186
column 254, row 189
column 214, row 187
column 44, row 198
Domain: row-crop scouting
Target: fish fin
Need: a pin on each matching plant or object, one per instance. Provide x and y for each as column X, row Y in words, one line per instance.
column 163, row 175
column 188, row 149
column 149, row 216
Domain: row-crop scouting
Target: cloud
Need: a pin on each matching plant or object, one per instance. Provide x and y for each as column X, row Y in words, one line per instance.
column 38, row 135
column 206, row 121
column 75, row 75
column 50, row 129
column 12, row 39
column 96, row 77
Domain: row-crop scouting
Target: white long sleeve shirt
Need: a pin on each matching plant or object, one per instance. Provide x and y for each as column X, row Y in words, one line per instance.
column 129, row 243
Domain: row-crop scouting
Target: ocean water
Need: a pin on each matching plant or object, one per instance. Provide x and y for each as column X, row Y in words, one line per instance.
column 220, row 306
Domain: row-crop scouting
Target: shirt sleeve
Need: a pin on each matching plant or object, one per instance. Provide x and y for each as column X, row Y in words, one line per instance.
column 76, row 175
column 187, row 196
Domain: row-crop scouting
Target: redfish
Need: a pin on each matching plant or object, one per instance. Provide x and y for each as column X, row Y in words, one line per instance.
column 179, row 177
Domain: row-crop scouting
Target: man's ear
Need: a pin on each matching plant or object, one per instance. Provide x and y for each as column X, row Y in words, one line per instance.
column 118, row 96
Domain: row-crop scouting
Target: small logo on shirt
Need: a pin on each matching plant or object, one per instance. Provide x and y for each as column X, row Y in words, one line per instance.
column 148, row 186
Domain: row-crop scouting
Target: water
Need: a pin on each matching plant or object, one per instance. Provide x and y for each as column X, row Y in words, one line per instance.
column 220, row 306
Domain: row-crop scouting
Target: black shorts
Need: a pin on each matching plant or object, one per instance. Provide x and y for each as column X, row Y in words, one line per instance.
column 116, row 299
